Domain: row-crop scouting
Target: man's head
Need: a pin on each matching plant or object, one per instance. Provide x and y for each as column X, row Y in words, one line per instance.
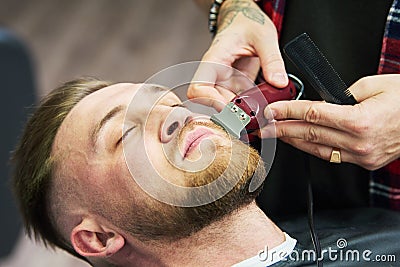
column 85, row 153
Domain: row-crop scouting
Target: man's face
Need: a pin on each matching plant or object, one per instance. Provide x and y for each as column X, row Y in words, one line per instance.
column 134, row 147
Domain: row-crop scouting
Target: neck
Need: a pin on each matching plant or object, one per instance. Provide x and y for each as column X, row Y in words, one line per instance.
column 234, row 238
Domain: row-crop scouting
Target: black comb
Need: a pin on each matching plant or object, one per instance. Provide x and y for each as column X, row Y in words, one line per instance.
column 306, row 56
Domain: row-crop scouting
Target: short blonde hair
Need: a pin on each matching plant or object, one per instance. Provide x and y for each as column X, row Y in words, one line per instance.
column 33, row 164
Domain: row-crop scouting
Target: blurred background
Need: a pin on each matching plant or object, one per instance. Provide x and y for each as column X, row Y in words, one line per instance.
column 46, row 42
column 119, row 40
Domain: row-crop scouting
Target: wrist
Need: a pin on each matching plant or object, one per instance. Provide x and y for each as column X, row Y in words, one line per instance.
column 213, row 15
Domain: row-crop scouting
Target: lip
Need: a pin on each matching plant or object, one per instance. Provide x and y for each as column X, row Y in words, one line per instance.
column 194, row 138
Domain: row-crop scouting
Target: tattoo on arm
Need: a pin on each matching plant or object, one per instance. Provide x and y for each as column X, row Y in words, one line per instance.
column 229, row 13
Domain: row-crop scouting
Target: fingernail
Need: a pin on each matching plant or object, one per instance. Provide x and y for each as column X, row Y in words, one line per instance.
column 280, row 79
column 269, row 113
column 268, row 131
column 274, row 113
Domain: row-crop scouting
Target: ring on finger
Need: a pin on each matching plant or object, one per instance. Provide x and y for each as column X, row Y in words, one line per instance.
column 335, row 156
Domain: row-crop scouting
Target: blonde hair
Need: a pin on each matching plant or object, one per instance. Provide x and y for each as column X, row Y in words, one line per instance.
column 33, row 164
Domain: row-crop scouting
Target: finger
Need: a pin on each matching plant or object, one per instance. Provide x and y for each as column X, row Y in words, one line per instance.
column 207, row 95
column 268, row 131
column 271, row 60
column 324, row 152
column 321, row 151
column 316, row 112
column 235, row 70
column 311, row 133
column 368, row 87
column 202, row 88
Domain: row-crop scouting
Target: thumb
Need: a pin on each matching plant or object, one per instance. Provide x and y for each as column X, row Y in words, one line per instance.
column 206, row 94
column 204, row 87
column 272, row 62
column 370, row 86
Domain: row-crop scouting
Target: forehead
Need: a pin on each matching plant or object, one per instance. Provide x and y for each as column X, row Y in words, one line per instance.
column 127, row 94
column 92, row 108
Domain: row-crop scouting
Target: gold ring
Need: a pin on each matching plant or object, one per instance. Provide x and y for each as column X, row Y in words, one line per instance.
column 335, row 156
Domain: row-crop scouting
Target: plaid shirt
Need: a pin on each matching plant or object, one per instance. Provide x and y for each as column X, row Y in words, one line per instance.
column 385, row 182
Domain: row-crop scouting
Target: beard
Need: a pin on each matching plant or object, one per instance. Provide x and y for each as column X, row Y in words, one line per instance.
column 224, row 185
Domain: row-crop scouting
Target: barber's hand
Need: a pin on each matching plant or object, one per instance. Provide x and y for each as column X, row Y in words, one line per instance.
column 245, row 37
column 368, row 133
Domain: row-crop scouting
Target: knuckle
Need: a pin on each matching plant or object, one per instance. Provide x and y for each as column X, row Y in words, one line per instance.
column 193, row 91
column 363, row 149
column 280, row 131
column 311, row 135
column 312, row 115
column 360, row 127
column 274, row 59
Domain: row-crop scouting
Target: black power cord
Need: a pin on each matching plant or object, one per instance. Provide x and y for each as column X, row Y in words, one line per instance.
column 314, row 236
column 310, row 212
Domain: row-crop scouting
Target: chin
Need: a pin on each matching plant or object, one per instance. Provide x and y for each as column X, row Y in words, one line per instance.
column 229, row 174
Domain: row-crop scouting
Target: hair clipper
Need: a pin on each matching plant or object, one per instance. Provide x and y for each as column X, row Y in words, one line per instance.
column 246, row 110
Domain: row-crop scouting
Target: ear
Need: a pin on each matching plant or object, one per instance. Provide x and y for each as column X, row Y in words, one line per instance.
column 91, row 239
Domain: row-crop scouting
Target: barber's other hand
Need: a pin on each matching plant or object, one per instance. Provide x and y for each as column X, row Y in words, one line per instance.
column 245, row 37
column 368, row 133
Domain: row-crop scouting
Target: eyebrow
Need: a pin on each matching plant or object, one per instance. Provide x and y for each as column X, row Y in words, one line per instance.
column 154, row 89
column 94, row 133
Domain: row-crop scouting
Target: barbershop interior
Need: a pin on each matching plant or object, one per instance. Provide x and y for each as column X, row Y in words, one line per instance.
column 330, row 185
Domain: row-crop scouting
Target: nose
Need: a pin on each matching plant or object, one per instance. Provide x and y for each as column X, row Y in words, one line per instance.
column 173, row 122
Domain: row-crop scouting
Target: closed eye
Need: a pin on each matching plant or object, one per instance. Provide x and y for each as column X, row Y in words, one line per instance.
column 125, row 135
column 180, row 105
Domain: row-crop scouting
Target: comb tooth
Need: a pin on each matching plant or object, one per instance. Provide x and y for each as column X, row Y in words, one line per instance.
column 306, row 56
column 348, row 93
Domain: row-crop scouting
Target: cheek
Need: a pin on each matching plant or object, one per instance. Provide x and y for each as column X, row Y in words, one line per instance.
column 124, row 174
column 135, row 158
column 160, row 158
column 151, row 153
column 146, row 163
